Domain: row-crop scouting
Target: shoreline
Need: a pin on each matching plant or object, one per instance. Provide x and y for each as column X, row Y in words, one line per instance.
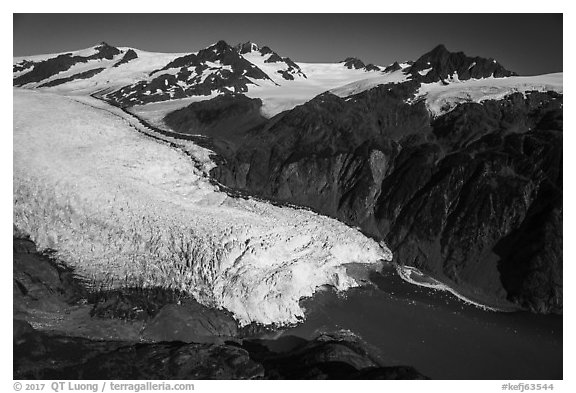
column 406, row 272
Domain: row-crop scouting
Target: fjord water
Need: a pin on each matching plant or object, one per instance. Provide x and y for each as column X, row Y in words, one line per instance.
column 436, row 333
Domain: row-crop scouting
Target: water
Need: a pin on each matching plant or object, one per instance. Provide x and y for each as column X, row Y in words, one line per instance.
column 438, row 334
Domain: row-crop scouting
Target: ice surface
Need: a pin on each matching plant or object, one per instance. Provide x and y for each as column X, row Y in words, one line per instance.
column 442, row 98
column 125, row 209
column 369, row 83
column 282, row 94
column 321, row 77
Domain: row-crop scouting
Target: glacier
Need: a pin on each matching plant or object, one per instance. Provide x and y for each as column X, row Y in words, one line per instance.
column 124, row 209
column 441, row 98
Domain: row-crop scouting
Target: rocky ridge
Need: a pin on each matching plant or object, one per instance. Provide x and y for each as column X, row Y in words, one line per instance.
column 357, row 64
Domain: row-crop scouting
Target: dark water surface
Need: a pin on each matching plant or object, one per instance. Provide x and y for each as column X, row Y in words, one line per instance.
column 438, row 334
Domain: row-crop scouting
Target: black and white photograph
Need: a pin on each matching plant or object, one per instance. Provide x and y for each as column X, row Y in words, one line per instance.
column 286, row 196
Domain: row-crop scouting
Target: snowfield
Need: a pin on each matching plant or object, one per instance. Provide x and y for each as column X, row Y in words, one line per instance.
column 442, row 98
column 282, row 95
column 125, row 209
column 321, row 77
column 366, row 84
column 110, row 78
column 343, row 82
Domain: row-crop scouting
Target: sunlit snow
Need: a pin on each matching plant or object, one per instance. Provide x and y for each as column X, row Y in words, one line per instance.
column 441, row 98
column 321, row 77
column 369, row 83
column 425, row 71
column 125, row 209
column 110, row 78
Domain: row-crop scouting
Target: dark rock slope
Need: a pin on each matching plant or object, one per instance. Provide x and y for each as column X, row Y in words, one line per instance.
column 80, row 75
column 128, row 56
column 225, row 119
column 329, row 154
column 473, row 198
column 38, row 355
column 355, row 63
column 338, row 355
column 440, row 64
column 393, row 67
column 483, row 205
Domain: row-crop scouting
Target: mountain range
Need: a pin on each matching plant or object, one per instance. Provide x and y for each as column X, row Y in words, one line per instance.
column 221, row 68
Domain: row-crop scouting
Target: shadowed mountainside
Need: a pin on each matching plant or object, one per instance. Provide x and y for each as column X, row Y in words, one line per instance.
column 440, row 64
column 473, row 197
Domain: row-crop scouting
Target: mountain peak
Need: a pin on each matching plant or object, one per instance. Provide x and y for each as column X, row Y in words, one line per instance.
column 220, row 46
column 393, row 67
column 265, row 50
column 440, row 65
column 247, row 47
column 436, row 54
column 105, row 51
column 439, row 49
column 104, row 46
column 353, row 63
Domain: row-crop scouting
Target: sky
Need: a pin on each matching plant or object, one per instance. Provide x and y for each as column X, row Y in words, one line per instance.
column 528, row 44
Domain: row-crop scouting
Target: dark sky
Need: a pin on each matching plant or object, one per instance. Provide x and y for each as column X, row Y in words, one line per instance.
column 526, row 43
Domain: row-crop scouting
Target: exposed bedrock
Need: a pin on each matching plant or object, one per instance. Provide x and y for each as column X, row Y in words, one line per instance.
column 441, row 64
column 487, row 214
column 128, row 56
column 473, row 197
column 38, row 355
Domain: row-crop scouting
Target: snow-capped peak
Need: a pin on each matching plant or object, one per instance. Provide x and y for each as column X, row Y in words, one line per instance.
column 277, row 67
column 441, row 64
